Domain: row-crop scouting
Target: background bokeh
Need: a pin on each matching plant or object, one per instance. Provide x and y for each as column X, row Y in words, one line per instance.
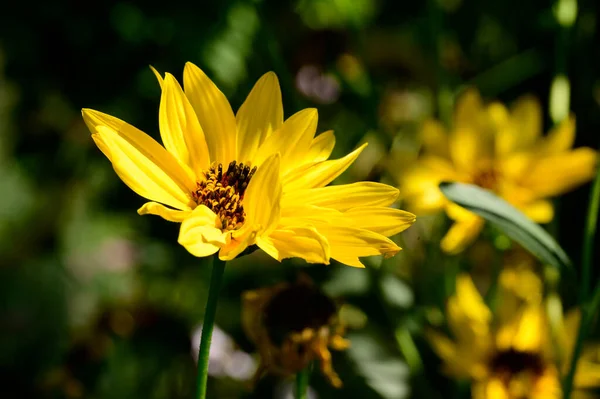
column 98, row 302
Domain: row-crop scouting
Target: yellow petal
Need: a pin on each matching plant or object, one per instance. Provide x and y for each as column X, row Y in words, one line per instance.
column 507, row 137
column 201, row 232
column 259, row 116
column 179, row 128
column 461, row 235
column 530, row 331
column 557, row 174
column 349, row 243
column 495, row 389
column 588, row 368
column 343, row 197
column 467, row 149
column 471, row 139
column 296, row 242
column 383, row 220
column 526, row 120
column 456, row 361
column 560, row 138
column 321, row 147
column 145, row 144
column 420, row 184
column 262, row 200
column 244, row 238
column 469, row 320
column 470, row 302
column 139, row 171
column 214, row 113
column 435, row 139
column 172, row 215
column 292, row 140
column 319, row 174
column 443, row 346
column 458, row 213
column 301, row 215
column 468, row 110
column 158, row 76
column 541, row 211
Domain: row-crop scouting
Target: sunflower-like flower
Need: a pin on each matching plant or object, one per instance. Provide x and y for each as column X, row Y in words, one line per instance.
column 515, row 353
column 500, row 150
column 291, row 326
column 249, row 178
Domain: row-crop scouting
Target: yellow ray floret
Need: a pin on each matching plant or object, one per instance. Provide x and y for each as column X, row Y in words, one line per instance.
column 500, row 150
column 517, row 352
column 250, row 178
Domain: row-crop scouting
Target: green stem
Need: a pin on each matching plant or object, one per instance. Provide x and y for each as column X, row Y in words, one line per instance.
column 409, row 350
column 588, row 310
column 302, row 382
column 588, row 240
column 587, row 317
column 207, row 326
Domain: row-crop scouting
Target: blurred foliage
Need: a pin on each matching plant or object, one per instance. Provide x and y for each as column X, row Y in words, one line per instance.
column 98, row 302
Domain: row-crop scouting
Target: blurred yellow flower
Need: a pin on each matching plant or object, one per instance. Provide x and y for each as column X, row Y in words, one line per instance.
column 501, row 150
column 292, row 325
column 515, row 353
column 234, row 181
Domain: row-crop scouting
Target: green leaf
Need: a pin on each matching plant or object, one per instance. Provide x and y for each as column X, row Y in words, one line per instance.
column 509, row 220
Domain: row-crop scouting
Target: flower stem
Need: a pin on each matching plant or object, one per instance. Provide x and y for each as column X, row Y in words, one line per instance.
column 302, row 382
column 588, row 240
column 216, row 278
column 588, row 310
column 587, row 317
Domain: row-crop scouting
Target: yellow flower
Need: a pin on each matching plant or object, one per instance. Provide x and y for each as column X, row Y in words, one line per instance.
column 499, row 150
column 514, row 353
column 292, row 325
column 234, row 181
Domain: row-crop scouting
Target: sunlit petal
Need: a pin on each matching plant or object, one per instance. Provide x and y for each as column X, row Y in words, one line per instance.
column 292, row 140
column 319, row 174
column 383, row 220
column 179, row 128
column 172, row 215
column 461, row 235
column 259, row 116
column 214, row 113
column 343, row 197
column 321, row 147
column 302, row 242
column 201, row 233
column 140, row 172
column 262, row 201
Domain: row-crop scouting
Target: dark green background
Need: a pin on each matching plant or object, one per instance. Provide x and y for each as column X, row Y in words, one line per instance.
column 74, row 254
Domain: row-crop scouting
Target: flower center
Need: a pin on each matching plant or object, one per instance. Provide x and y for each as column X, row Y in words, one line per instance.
column 296, row 308
column 510, row 363
column 487, row 179
column 223, row 192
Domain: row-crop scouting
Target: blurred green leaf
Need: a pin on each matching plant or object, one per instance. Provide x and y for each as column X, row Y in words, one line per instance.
column 509, row 220
column 384, row 371
column 396, row 292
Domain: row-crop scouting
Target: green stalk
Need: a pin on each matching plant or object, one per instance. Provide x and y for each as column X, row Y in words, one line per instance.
column 208, row 323
column 587, row 316
column 589, row 310
column 302, row 382
column 588, row 241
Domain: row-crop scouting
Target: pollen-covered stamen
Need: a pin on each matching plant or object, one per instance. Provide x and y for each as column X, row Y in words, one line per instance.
column 223, row 192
